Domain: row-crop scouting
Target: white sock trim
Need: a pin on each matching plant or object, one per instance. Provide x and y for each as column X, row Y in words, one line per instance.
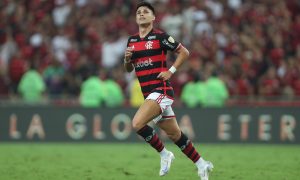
column 200, row 162
column 164, row 152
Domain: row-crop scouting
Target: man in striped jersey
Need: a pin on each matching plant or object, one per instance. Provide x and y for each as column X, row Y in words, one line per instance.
column 146, row 54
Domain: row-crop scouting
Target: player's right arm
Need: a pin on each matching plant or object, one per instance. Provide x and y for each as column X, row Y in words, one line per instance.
column 127, row 59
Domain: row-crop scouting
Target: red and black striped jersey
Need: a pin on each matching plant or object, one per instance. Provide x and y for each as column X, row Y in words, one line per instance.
column 149, row 59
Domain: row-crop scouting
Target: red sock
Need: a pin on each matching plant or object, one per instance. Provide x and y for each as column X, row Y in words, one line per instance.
column 151, row 137
column 187, row 148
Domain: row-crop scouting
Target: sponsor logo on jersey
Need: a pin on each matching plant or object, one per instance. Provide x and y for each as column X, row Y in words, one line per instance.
column 149, row 45
column 171, row 39
column 151, row 37
column 166, row 42
column 145, row 63
column 133, row 40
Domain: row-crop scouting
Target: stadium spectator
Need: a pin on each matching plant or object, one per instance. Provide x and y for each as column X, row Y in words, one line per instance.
column 112, row 50
column 216, row 92
column 32, row 86
column 269, row 84
column 61, row 12
column 136, row 95
column 8, row 48
column 54, row 78
column 193, row 94
column 146, row 54
column 60, row 45
column 17, row 68
column 3, row 85
column 114, row 95
column 173, row 22
column 92, row 91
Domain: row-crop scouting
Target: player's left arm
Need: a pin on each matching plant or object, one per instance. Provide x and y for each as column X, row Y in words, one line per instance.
column 182, row 55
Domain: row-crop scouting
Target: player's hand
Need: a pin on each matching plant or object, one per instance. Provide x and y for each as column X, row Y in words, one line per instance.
column 128, row 54
column 166, row 75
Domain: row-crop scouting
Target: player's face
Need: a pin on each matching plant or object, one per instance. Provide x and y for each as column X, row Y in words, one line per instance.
column 144, row 15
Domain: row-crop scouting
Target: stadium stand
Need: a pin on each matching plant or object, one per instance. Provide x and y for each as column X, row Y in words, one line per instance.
column 253, row 46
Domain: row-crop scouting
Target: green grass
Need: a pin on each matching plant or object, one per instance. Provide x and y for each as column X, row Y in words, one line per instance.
column 99, row 161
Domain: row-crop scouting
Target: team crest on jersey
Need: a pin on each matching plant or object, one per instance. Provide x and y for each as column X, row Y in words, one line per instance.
column 171, row 39
column 151, row 37
column 149, row 45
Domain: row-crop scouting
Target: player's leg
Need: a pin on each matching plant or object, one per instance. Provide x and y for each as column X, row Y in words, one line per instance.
column 151, row 109
column 148, row 110
column 173, row 131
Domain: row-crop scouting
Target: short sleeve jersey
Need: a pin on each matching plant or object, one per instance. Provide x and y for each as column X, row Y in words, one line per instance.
column 149, row 59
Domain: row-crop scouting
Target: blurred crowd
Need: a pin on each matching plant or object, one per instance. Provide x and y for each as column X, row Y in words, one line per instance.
column 252, row 46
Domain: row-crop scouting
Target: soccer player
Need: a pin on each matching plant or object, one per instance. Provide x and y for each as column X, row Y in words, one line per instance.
column 146, row 54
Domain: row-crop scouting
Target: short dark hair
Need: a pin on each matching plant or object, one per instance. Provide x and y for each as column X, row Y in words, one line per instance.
column 147, row 4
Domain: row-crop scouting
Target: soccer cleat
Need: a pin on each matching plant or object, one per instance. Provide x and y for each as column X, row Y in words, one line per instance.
column 165, row 163
column 205, row 169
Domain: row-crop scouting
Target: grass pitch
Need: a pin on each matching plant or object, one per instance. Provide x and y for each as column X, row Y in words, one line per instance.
column 104, row 161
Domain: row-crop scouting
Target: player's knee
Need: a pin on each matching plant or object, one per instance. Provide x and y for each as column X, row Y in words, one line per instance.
column 174, row 136
column 137, row 125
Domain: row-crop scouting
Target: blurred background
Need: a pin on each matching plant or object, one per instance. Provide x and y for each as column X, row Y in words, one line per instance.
column 58, row 56
column 246, row 52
